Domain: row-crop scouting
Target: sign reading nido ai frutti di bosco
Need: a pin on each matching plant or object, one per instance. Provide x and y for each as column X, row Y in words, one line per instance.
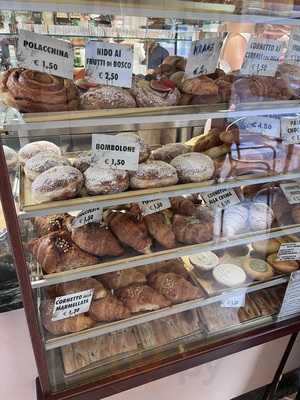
column 45, row 54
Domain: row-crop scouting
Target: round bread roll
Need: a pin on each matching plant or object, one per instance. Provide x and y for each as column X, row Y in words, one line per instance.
column 83, row 161
column 31, row 149
column 58, row 183
column 11, row 157
column 41, row 162
column 205, row 261
column 229, row 275
column 193, row 167
column 169, row 151
column 153, row 174
column 144, row 147
column 107, row 97
column 268, row 246
column 100, row 180
column 285, row 266
column 258, row 269
column 260, row 216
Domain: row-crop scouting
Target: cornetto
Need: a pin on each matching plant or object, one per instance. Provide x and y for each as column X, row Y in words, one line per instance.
column 45, row 48
column 115, row 147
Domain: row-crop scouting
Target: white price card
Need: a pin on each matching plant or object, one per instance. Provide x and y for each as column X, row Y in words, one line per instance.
column 289, row 251
column 221, row 198
column 235, row 299
column 87, row 216
column 72, row 304
column 265, row 125
column 45, row 54
column 290, row 130
column 291, row 191
column 203, row 57
column 291, row 300
column 109, row 64
column 115, row 152
column 261, row 57
column 153, row 206
column 292, row 55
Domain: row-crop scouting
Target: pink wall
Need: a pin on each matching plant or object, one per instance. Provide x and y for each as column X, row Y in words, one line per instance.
column 219, row 380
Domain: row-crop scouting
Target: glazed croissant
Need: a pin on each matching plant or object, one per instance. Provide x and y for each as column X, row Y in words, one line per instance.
column 190, row 230
column 51, row 223
column 160, row 228
column 181, row 205
column 123, row 278
column 108, row 309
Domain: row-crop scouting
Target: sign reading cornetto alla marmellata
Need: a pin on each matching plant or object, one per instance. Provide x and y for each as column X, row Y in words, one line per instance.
column 45, row 54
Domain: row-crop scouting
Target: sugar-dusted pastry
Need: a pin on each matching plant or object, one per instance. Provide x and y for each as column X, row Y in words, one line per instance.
column 183, row 206
column 144, row 148
column 56, row 252
column 208, row 140
column 169, row 151
column 284, row 266
column 130, row 230
column 205, row 261
column 97, row 239
column 107, row 97
column 174, row 287
column 140, row 298
column 61, row 327
column 193, row 167
column 260, row 216
column 191, row 230
column 257, row 269
column 57, row 183
column 162, row 93
column 235, row 220
column 83, row 161
column 160, row 228
column 11, row 157
column 100, row 180
column 33, row 148
column 123, row 278
column 108, row 309
column 78, row 286
column 41, row 162
column 229, row 275
column 152, row 174
column 51, row 223
column 267, row 246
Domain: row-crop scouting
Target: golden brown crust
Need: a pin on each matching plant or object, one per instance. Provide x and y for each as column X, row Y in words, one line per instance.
column 190, row 230
column 83, row 284
column 160, row 229
column 183, row 206
column 51, row 223
column 202, row 86
column 282, row 266
column 123, row 278
column 208, row 140
column 108, row 309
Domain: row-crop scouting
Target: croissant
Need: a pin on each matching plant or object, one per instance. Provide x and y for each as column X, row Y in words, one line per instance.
column 108, row 309
column 190, row 230
column 123, row 278
column 96, row 239
column 56, row 252
column 160, row 228
column 174, row 287
column 80, row 285
column 140, row 298
column 175, row 265
column 63, row 326
column 51, row 223
column 130, row 230
column 181, row 205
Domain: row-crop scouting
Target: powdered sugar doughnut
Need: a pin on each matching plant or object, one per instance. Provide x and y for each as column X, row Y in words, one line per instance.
column 260, row 216
column 83, row 161
column 11, row 157
column 153, row 174
column 31, row 149
column 107, row 97
column 41, row 162
column 144, row 147
column 193, row 167
column 100, row 180
column 58, row 183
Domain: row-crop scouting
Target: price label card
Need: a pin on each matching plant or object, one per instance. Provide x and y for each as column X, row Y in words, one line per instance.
column 203, row 57
column 289, row 251
column 72, row 304
column 221, row 198
column 153, row 206
column 109, row 64
column 266, row 125
column 290, row 130
column 87, row 216
column 45, row 54
column 261, row 57
column 292, row 55
column 291, row 300
column 291, row 191
column 235, row 299
column 115, row 152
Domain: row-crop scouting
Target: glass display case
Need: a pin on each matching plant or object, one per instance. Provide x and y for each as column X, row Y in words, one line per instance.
column 150, row 183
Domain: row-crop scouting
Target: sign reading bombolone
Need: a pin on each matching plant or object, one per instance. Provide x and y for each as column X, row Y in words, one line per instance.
column 44, row 54
column 109, row 64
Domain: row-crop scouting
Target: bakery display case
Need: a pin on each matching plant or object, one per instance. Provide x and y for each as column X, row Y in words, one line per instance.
column 150, row 183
